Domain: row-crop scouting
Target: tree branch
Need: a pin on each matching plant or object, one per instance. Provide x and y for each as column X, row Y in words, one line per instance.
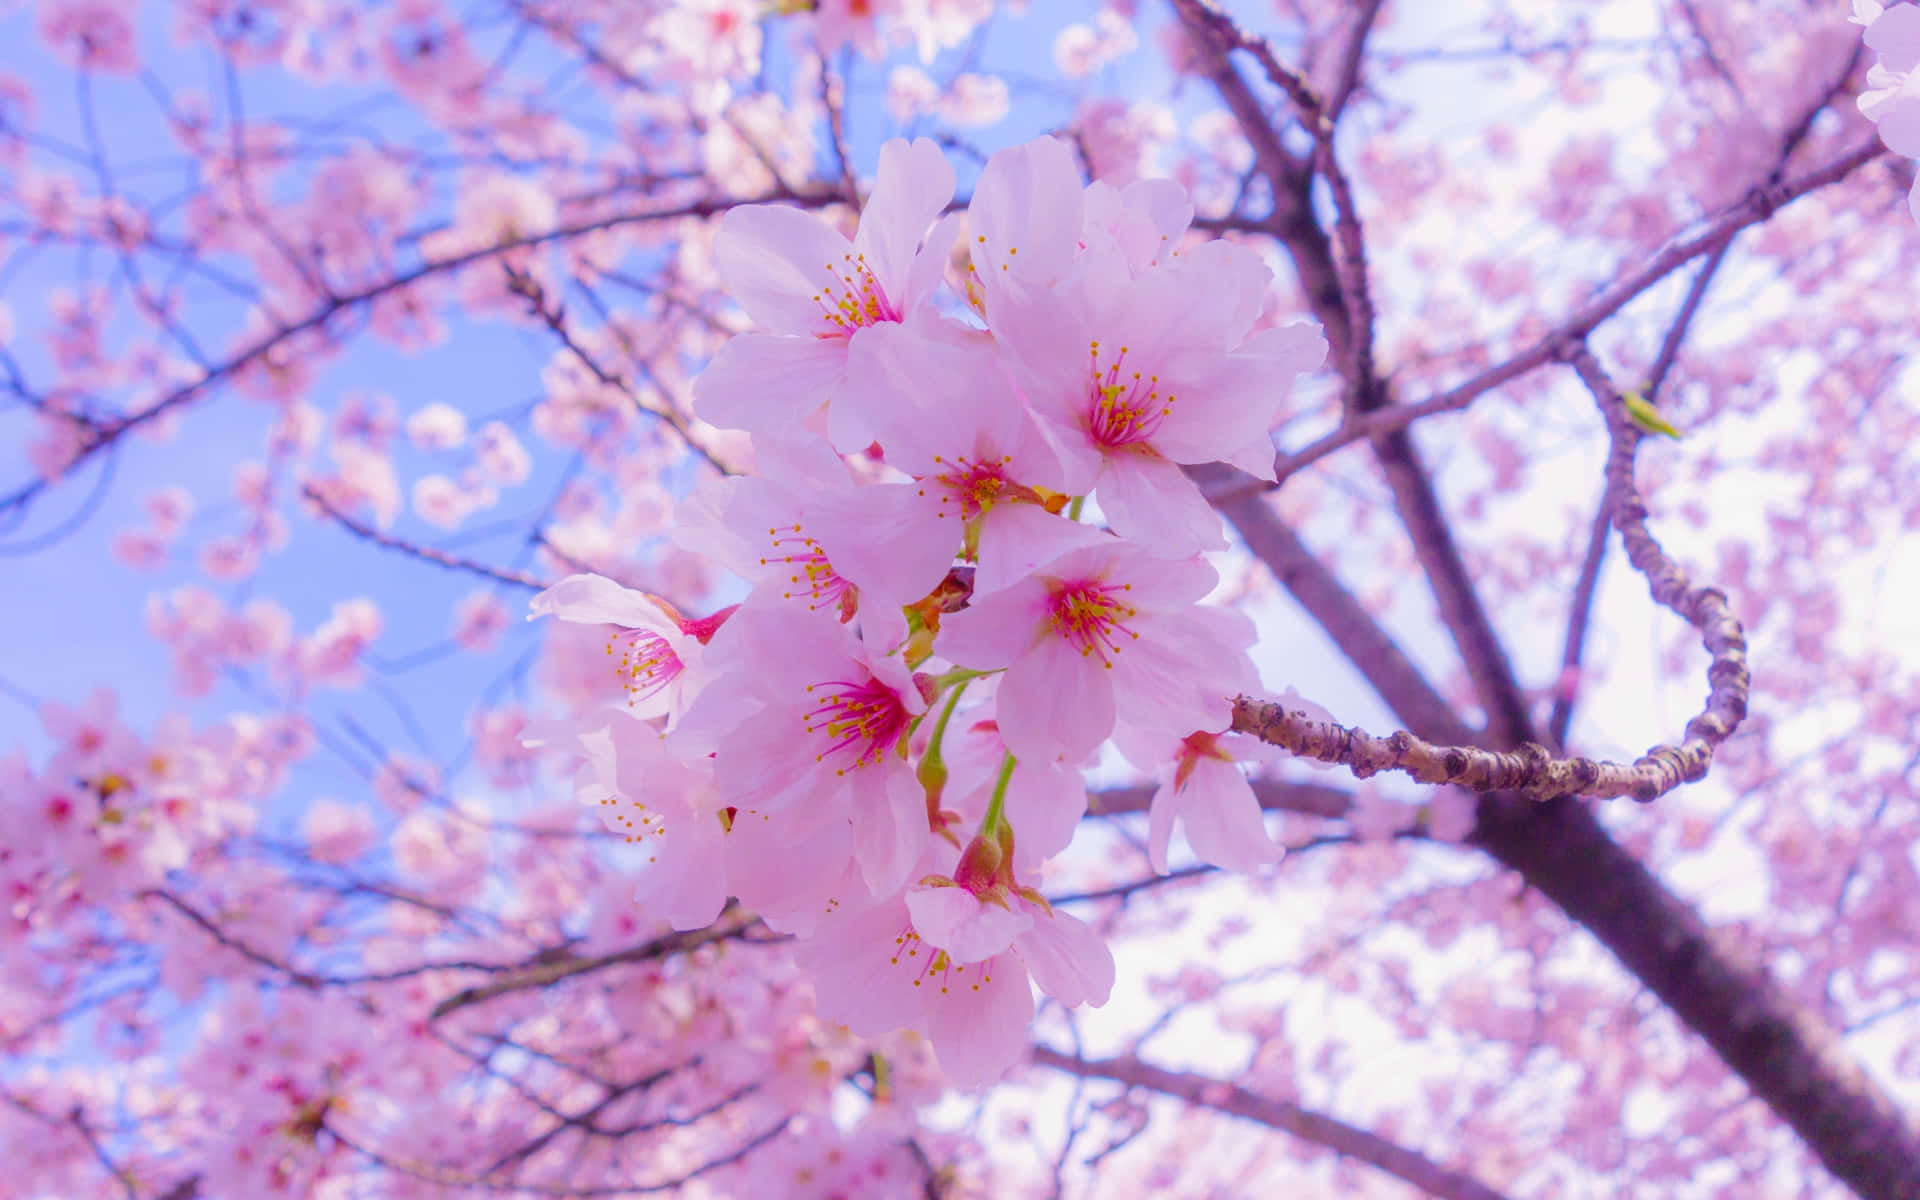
column 439, row 558
column 1305, row 1124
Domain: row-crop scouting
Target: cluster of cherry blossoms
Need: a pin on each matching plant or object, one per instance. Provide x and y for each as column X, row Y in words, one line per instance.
column 881, row 745
column 1892, row 101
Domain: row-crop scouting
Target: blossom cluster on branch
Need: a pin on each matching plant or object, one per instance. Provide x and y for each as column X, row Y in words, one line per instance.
column 841, row 751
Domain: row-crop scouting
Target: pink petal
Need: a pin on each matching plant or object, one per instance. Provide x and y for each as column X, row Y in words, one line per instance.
column 763, row 382
column 775, row 261
column 1222, row 818
column 996, row 628
column 1152, row 500
column 1068, row 959
column 596, row 600
column 1028, row 199
column 890, row 539
column 1055, row 701
column 913, row 185
column 957, row 922
column 977, row 1018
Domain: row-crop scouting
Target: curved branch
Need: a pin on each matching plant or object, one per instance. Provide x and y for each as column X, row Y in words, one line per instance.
column 1706, row 609
column 1305, row 1124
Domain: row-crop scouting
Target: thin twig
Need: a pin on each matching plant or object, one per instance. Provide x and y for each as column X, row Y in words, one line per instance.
column 439, row 558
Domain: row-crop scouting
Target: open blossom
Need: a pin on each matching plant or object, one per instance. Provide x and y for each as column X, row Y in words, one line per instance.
column 1201, row 787
column 813, row 723
column 1892, row 98
column 1098, row 632
column 656, row 652
column 980, row 469
column 813, row 292
column 1142, row 362
column 765, row 528
column 954, row 958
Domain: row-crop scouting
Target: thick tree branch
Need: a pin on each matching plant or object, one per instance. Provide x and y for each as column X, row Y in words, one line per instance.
column 1305, row 1124
column 1792, row 1060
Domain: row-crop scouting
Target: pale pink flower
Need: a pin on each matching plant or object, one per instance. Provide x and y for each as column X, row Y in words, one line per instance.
column 813, row 292
column 949, row 417
column 331, row 654
column 1098, row 632
column 888, row 967
column 816, row 722
column 229, row 558
column 1201, row 787
column 1080, row 50
column 656, row 652
column 502, row 458
column 445, row 852
column 479, row 620
column 1892, row 98
column 168, row 508
column 710, row 42
column 1143, row 373
column 437, row 427
column 910, row 92
column 95, row 35
column 840, row 23
column 440, row 501
column 141, row 550
column 336, row 832
column 762, row 528
column 976, row 101
column 92, row 733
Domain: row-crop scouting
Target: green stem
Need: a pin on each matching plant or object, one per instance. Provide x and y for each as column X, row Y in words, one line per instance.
column 932, row 754
column 1073, row 509
column 990, row 824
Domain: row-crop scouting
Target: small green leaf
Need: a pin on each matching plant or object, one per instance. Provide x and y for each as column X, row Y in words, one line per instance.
column 1647, row 417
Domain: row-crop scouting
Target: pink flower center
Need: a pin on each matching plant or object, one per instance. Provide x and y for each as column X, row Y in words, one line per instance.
column 813, row 577
column 1091, row 615
column 973, row 486
column 644, row 661
column 1124, row 407
column 855, row 301
column 866, row 718
column 1193, row 748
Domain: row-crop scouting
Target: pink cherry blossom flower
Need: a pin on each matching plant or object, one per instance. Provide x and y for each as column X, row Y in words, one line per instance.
column 891, row 966
column 1098, row 632
column 816, row 721
column 762, row 527
column 949, row 417
column 656, row 652
column 438, row 426
column 1146, row 373
column 1892, row 98
column 1202, row 788
column 813, row 292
